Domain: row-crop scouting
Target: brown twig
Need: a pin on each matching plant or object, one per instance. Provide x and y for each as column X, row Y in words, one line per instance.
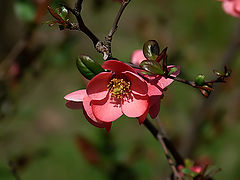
column 190, row 83
column 103, row 47
column 81, row 25
column 108, row 38
column 167, row 147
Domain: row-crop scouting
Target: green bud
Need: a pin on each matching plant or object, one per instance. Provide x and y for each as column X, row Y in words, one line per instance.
column 63, row 13
column 206, row 90
column 217, row 73
column 151, row 50
column 88, row 67
column 172, row 70
column 200, row 80
column 152, row 66
column 227, row 71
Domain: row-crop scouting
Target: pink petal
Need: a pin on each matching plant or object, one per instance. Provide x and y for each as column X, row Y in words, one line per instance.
column 163, row 82
column 142, row 118
column 154, row 108
column 137, row 57
column 88, row 108
column 135, row 106
column 105, row 125
column 107, row 110
column 97, row 87
column 154, row 90
column 87, row 111
column 237, row 6
column 76, row 96
column 74, row 105
column 117, row 66
column 228, row 7
column 138, row 85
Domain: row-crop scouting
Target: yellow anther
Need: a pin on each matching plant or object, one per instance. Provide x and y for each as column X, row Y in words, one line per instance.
column 119, row 88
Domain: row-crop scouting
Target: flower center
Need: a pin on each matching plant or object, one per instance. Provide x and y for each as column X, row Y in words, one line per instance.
column 119, row 88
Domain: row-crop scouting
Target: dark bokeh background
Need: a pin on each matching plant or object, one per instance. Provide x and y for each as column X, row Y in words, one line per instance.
column 45, row 140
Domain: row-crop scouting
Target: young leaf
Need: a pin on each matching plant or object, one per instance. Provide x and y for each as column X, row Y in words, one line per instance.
column 172, row 70
column 88, row 67
column 151, row 66
column 151, row 50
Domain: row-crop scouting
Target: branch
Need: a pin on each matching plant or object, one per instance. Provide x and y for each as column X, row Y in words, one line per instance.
column 81, row 25
column 103, row 47
column 190, row 83
column 108, row 38
column 167, row 146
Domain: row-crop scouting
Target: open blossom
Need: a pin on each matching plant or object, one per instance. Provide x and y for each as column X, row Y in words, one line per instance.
column 156, row 84
column 109, row 95
column 231, row 7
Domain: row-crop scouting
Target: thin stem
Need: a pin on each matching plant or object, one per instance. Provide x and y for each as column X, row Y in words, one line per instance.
column 103, row 47
column 170, row 161
column 78, row 5
column 108, row 38
column 116, row 21
column 81, row 25
column 191, row 83
column 167, row 146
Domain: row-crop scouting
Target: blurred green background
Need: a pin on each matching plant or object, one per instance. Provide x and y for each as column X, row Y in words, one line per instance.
column 45, row 140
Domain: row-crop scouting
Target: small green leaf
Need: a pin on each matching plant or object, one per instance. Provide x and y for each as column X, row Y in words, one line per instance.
column 217, row 73
column 62, row 12
column 25, row 10
column 188, row 172
column 151, row 50
column 55, row 14
column 172, row 70
column 88, row 67
column 200, row 80
column 151, row 66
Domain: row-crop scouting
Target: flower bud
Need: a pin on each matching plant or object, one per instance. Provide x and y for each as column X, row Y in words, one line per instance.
column 151, row 50
column 206, row 90
column 200, row 80
column 227, row 72
column 152, row 67
column 88, row 67
column 172, row 70
column 62, row 12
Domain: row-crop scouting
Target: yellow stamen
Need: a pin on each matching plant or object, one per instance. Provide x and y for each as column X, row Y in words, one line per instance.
column 119, row 88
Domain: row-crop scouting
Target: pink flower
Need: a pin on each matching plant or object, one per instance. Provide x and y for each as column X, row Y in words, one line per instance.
column 155, row 83
column 109, row 95
column 231, row 7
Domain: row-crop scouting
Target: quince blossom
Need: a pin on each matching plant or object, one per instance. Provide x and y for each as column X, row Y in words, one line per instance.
column 109, row 95
column 156, row 83
column 231, row 7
